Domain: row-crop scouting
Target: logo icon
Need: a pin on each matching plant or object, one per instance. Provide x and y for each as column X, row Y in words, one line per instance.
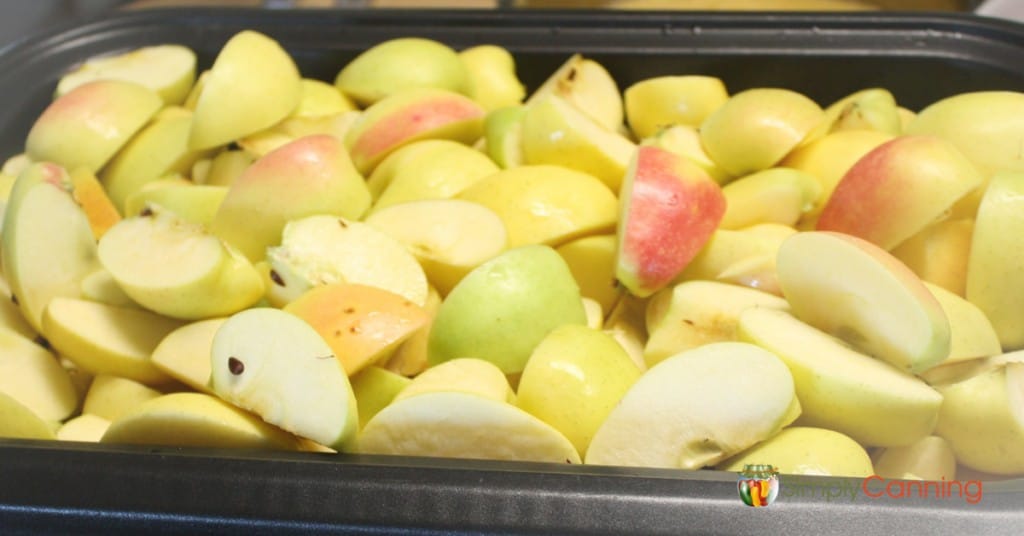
column 758, row 485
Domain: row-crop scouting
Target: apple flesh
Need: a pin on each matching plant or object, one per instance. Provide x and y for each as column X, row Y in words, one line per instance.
column 375, row 388
column 110, row 397
column 668, row 209
column 276, row 365
column 939, row 253
column 400, row 64
column 169, row 70
column 33, row 377
column 491, row 76
column 19, row 422
column 184, row 354
column 661, row 102
column 685, row 413
column 588, row 87
column 842, row 389
column 931, row 458
column 592, row 262
column 803, row 450
column 463, row 375
column 776, row 195
column 85, row 427
column 854, row 290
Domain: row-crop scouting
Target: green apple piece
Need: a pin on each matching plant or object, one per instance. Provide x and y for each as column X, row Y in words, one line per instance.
column 399, row 64
column 774, row 195
column 986, row 126
column 194, row 203
column 855, row 290
column 556, row 133
column 971, row 332
column 252, row 85
column 462, row 425
column 463, row 375
column 668, row 209
column 375, row 388
column 491, row 76
column 176, row 268
column 930, row 458
column 801, row 450
column 591, row 260
column 502, row 309
column 546, row 204
column 695, row 313
column 100, row 286
column 982, row 418
column 428, row 169
column 107, row 339
column 276, row 365
column 312, row 175
column 223, row 169
column 48, row 245
column 842, row 389
column 161, row 148
column 588, row 87
column 503, row 136
column 85, row 127
column 86, row 428
column 19, row 422
column 664, row 101
column 409, row 116
column 574, row 378
column 195, row 420
column 184, row 354
column 111, row 397
column 449, row 237
column 320, row 99
column 169, row 70
column 695, row 409
column 995, row 258
column 684, row 140
column 756, row 128
column 320, row 250
column 33, row 377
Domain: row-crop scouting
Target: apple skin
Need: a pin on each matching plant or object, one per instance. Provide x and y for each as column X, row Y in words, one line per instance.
column 588, row 87
column 375, row 388
column 410, row 116
column 668, row 209
column 545, row 204
column 502, row 309
column 939, row 253
column 592, row 262
column 88, row 125
column 361, row 324
column 503, row 136
column 111, row 396
column 401, row 64
column 774, row 195
column 18, row 421
column 463, row 375
column 803, row 450
column 656, row 103
column 33, row 377
column 252, row 85
column 898, row 189
column 931, row 458
column 573, row 379
column 491, row 74
column 312, row 175
column 169, row 70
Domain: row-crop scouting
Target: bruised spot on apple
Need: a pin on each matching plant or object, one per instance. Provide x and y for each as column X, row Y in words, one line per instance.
column 669, row 208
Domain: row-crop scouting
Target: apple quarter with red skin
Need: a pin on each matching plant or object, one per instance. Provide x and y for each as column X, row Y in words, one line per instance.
column 668, row 209
column 898, row 189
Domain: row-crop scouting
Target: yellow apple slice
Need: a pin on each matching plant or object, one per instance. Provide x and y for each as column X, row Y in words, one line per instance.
column 401, row 64
column 111, row 396
column 939, row 253
column 85, row 427
column 804, row 450
column 854, row 290
column 195, row 420
column 841, row 389
column 100, row 286
column 971, row 334
column 556, row 133
column 589, row 87
column 10, row 316
column 591, row 259
column 410, row 358
column 774, row 195
column 743, row 257
column 462, row 425
column 320, row 250
column 931, row 458
column 375, row 388
column 546, row 204
column 32, row 376
column 176, row 268
column 684, row 140
column 449, row 237
column 491, row 76
column 48, row 245
column 169, row 70
column 361, row 324
column 657, row 103
column 463, row 375
column 276, row 365
column 107, row 339
column 184, row 354
column 695, row 313
column 696, row 409
column 195, row 203
column 252, row 85
column 17, row 421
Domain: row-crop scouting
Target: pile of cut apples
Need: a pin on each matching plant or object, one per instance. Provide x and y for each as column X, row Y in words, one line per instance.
column 418, row 259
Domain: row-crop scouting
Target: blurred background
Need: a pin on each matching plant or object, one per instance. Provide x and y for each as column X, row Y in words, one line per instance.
column 19, row 18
